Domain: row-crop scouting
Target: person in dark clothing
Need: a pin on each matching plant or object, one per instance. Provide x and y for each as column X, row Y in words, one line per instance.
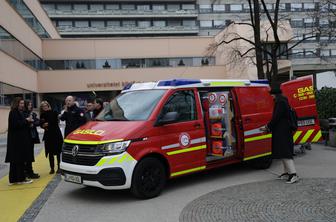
column 89, row 113
column 99, row 106
column 18, row 142
column 52, row 137
column 282, row 135
column 73, row 116
column 34, row 140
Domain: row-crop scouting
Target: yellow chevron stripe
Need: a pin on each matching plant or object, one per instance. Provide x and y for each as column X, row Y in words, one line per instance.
column 187, row 171
column 101, row 162
column 317, row 136
column 91, row 142
column 296, row 135
column 257, row 156
column 187, row 150
column 258, row 138
column 112, row 160
column 306, row 137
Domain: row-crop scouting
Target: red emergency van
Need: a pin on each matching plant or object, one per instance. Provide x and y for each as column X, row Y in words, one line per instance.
column 155, row 131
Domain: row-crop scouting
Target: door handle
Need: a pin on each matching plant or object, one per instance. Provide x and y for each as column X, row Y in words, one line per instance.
column 197, row 125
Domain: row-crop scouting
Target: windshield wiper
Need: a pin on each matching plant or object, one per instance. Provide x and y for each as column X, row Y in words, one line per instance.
column 115, row 119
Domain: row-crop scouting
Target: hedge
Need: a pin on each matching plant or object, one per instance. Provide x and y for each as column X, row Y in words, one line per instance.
column 326, row 102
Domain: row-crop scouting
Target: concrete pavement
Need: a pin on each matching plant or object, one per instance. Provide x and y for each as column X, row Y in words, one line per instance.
column 70, row 202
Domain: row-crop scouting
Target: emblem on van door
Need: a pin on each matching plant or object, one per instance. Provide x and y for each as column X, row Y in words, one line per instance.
column 184, row 139
column 75, row 150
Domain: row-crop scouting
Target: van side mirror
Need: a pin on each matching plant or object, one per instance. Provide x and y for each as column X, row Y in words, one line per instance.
column 169, row 117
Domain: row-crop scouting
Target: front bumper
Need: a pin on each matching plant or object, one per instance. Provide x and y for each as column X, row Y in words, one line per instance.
column 110, row 173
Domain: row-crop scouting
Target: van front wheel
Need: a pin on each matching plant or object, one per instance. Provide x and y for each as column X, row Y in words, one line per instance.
column 149, row 178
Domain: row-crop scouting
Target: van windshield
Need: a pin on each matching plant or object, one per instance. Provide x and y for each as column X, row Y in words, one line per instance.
column 131, row 106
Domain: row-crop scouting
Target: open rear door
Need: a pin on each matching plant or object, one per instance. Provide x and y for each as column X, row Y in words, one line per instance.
column 301, row 97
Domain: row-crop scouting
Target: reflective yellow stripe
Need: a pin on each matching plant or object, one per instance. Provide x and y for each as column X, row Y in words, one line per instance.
column 91, row 142
column 296, row 135
column 187, row 171
column 258, row 138
column 257, row 156
column 317, row 136
column 101, row 162
column 121, row 159
column 187, row 150
column 306, row 137
column 227, row 83
column 112, row 160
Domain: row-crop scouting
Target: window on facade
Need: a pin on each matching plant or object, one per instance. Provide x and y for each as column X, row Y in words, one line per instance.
column 113, row 23
column 158, row 7
column 64, row 7
column 219, row 8
column 219, row 23
column 207, row 24
column 188, row 6
column 297, row 23
column 129, row 23
column 310, row 52
column 309, row 22
column 324, row 38
column 48, row 7
column 296, row 7
column 174, row 23
column 80, row 7
column 173, row 7
column 97, row 7
column 205, row 8
column 298, row 38
column 81, row 24
column 159, row 23
column 333, row 52
column 98, row 24
column 144, row 24
column 308, row 6
column 324, row 22
column 64, row 23
column 182, row 102
column 236, row 7
column 325, row 52
column 112, row 7
column 189, row 23
column 143, row 7
column 282, row 7
column 132, row 63
column 160, row 62
column 296, row 53
column 8, row 93
column 246, row 7
column 128, row 6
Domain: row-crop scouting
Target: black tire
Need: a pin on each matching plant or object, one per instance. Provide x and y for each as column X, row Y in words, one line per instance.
column 262, row 162
column 149, row 178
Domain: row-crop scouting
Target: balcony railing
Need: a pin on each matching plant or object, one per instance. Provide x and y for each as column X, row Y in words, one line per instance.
column 70, row 30
column 120, row 13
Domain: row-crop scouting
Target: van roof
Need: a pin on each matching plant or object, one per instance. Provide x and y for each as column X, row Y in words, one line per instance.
column 189, row 83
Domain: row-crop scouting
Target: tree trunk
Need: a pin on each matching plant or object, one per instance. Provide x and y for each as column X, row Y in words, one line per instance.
column 257, row 41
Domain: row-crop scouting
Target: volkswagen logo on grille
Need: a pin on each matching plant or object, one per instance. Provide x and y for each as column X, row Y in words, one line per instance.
column 74, row 151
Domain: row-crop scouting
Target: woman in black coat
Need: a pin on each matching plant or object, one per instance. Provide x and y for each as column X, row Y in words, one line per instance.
column 18, row 142
column 34, row 139
column 282, row 136
column 52, row 137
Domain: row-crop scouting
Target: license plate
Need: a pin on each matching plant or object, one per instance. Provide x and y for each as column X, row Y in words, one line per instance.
column 306, row 122
column 73, row 178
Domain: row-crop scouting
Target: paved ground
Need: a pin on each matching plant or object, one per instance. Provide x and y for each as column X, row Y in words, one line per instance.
column 70, row 202
column 312, row 199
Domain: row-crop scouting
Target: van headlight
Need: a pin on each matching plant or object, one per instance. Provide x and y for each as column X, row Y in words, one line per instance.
column 115, row 148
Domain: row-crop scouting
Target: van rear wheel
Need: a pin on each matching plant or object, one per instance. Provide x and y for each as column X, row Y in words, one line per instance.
column 148, row 179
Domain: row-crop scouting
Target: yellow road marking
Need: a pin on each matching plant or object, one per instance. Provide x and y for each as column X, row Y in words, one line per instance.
column 257, row 156
column 16, row 199
column 91, row 142
column 186, row 150
column 187, row 171
column 258, row 138
column 306, row 137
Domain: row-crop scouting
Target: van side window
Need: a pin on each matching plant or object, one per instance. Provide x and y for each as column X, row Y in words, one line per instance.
column 182, row 102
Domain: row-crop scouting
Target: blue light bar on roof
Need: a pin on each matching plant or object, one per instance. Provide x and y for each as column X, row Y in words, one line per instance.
column 178, row 82
column 259, row 81
column 128, row 86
